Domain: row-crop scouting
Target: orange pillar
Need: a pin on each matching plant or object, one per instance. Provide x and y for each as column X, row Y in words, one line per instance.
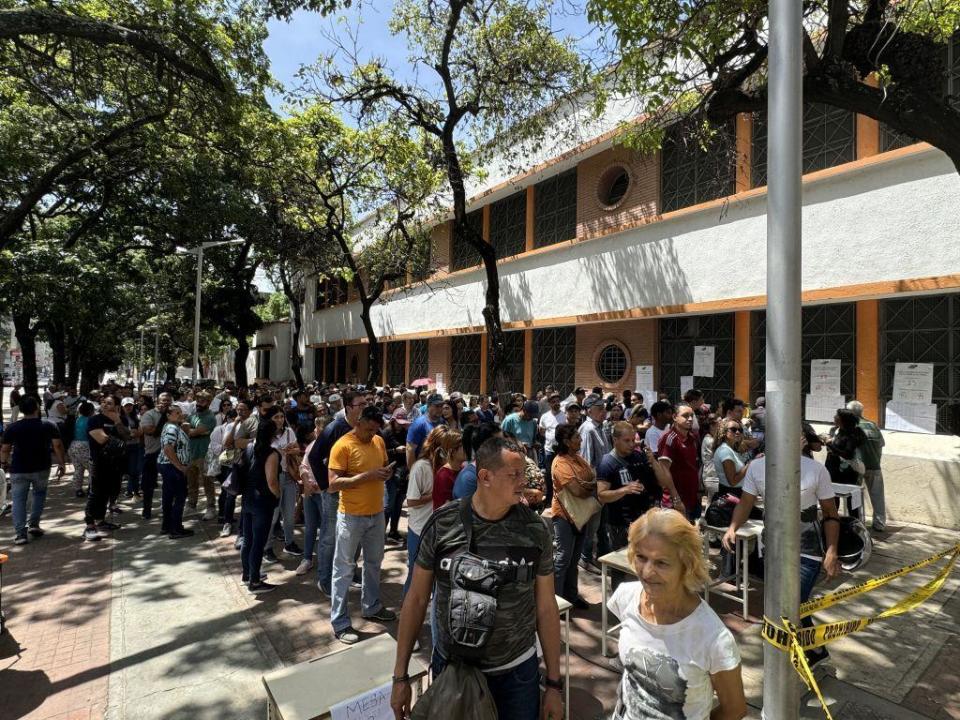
column 528, row 363
column 744, row 152
column 868, row 131
column 531, row 211
column 741, row 354
column 868, row 357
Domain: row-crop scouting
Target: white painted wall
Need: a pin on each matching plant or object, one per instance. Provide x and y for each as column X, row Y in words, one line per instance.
column 893, row 220
column 278, row 335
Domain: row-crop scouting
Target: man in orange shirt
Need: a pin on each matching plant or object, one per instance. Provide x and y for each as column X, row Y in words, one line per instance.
column 358, row 470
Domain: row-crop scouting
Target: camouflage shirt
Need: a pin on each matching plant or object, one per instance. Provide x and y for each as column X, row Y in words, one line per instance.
column 521, row 535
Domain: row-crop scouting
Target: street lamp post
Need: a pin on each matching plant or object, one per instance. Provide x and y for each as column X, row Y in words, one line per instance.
column 783, row 391
column 198, row 251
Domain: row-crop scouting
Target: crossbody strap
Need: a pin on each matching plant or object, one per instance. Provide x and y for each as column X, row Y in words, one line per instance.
column 466, row 517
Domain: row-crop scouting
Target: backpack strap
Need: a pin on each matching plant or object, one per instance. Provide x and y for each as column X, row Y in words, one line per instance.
column 466, row 517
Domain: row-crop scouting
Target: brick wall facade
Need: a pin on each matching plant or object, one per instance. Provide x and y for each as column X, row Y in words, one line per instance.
column 440, row 237
column 639, row 337
column 439, row 354
column 640, row 203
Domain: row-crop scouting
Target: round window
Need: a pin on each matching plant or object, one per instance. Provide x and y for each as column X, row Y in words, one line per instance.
column 613, row 186
column 612, row 364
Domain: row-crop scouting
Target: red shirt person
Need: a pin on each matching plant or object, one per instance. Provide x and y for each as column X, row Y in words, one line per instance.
column 678, row 452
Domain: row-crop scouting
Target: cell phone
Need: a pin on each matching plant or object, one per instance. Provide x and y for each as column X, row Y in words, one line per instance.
column 391, row 466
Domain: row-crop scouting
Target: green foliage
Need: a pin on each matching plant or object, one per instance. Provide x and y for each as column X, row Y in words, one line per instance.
column 275, row 308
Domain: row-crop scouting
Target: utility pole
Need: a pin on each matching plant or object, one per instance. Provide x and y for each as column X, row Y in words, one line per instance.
column 781, row 698
column 196, row 315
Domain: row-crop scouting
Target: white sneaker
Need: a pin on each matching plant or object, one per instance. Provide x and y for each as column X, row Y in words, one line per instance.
column 210, row 514
column 226, row 530
column 305, row 566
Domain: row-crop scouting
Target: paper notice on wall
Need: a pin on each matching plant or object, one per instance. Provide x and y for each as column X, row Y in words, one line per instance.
column 371, row 705
column 913, row 383
column 822, row 408
column 686, row 383
column 644, row 378
column 703, row 356
column 825, row 378
column 649, row 398
column 911, row 417
column 441, row 386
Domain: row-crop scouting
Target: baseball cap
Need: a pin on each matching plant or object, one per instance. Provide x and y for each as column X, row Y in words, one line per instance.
column 591, row 401
column 553, row 395
column 334, row 398
column 456, row 395
column 372, row 412
column 401, row 416
column 531, row 407
column 574, row 406
column 126, row 401
column 435, row 399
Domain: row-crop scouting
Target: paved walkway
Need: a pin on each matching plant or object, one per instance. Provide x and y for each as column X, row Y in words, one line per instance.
column 141, row 626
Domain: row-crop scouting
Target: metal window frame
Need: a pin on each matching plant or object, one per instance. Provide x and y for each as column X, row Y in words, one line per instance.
column 679, row 335
column 555, row 359
column 508, row 225
column 462, row 254
column 465, row 363
column 690, row 174
column 555, row 209
column 395, row 360
column 419, row 359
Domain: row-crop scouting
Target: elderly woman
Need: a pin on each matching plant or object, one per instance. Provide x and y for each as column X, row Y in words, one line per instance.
column 676, row 652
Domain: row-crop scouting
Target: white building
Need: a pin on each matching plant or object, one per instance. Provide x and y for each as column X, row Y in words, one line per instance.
column 611, row 260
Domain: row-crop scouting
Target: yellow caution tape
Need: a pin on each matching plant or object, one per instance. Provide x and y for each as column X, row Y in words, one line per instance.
column 796, row 640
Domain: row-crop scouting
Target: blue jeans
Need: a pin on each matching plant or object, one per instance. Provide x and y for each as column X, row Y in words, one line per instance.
column 413, row 545
column 257, row 519
column 312, row 519
column 287, row 507
column 135, row 459
column 366, row 533
column 809, row 572
column 20, row 484
column 396, row 491
column 227, row 501
column 328, row 538
column 516, row 692
column 567, row 546
column 174, row 497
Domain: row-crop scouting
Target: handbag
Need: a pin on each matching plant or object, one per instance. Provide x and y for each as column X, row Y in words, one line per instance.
column 578, row 509
column 229, row 456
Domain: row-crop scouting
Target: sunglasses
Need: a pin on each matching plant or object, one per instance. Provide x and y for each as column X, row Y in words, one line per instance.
column 735, row 429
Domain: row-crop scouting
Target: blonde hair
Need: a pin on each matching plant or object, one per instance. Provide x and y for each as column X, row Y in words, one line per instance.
column 448, row 442
column 683, row 537
column 431, row 446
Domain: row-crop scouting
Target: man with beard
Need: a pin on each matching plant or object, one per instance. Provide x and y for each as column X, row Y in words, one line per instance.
column 198, row 428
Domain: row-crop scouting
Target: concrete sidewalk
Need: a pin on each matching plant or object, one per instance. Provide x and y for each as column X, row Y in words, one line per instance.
column 141, row 626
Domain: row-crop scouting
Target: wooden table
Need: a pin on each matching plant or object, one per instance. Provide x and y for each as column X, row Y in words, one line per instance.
column 307, row 691
column 618, row 561
column 749, row 533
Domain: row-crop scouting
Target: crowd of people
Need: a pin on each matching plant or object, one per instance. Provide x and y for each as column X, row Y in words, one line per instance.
column 506, row 499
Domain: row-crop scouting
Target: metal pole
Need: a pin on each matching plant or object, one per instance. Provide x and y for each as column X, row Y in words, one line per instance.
column 781, row 699
column 196, row 315
column 140, row 366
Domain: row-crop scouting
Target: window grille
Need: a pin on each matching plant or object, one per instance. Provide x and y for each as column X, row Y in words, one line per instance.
column 827, row 331
column 508, row 225
column 555, row 209
column 678, row 336
column 465, row 364
column 341, row 364
column 512, row 362
column 554, row 359
column 690, row 174
column 396, row 362
column 612, row 364
column 462, row 253
column 924, row 329
column 829, row 139
column 419, row 359
column 318, row 364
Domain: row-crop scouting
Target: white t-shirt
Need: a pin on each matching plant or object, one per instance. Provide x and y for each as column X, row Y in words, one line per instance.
column 549, row 422
column 419, row 484
column 667, row 668
column 280, row 442
column 815, row 486
column 652, row 437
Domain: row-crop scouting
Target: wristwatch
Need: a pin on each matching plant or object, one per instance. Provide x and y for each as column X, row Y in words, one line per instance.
column 555, row 684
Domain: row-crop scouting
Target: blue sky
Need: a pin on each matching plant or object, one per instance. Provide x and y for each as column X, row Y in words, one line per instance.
column 302, row 40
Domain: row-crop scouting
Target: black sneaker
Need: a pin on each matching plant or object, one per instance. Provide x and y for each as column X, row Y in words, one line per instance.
column 817, row 655
column 292, row 549
column 115, row 509
column 259, row 588
column 91, row 534
column 270, row 557
column 381, row 615
column 146, row 515
column 104, row 525
column 35, row 530
column 181, row 533
column 21, row 539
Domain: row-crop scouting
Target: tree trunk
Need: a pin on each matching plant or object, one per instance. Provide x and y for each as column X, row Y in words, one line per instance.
column 373, row 347
column 73, row 371
column 27, row 338
column 89, row 375
column 171, row 372
column 296, row 323
column 58, row 347
column 240, row 361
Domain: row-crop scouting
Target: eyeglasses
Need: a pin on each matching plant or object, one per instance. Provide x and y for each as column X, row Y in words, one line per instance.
column 737, row 430
column 359, row 405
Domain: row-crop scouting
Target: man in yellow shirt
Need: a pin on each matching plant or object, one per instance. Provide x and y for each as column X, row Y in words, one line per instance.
column 358, row 470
